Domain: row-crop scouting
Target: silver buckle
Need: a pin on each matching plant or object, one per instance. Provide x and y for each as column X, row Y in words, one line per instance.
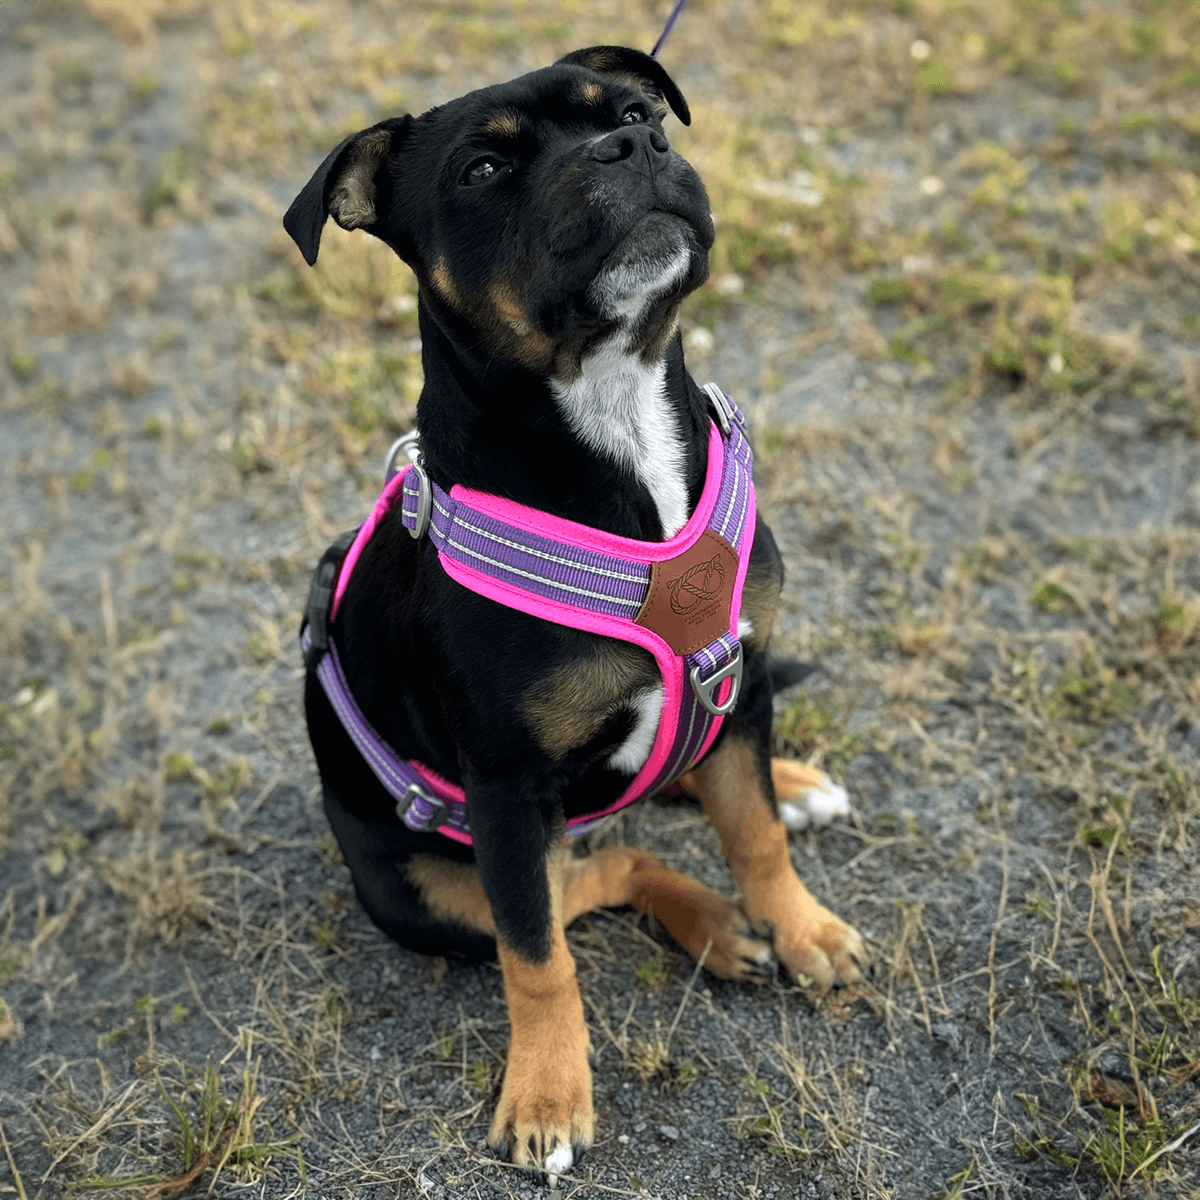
column 706, row 689
column 721, row 407
column 412, row 794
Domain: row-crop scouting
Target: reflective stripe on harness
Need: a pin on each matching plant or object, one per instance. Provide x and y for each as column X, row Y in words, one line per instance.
column 679, row 599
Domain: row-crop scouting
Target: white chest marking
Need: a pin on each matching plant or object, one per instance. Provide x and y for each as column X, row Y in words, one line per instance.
column 630, row 756
column 618, row 408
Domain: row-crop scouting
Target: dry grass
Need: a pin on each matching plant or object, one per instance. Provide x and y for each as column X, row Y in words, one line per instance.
column 992, row 210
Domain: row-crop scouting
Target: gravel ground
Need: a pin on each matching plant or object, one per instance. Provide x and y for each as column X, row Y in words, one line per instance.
column 997, row 584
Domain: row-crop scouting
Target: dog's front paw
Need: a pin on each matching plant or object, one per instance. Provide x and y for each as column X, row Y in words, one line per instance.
column 817, row 948
column 544, row 1119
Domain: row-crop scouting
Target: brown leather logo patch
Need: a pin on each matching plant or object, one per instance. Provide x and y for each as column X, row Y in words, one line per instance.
column 690, row 596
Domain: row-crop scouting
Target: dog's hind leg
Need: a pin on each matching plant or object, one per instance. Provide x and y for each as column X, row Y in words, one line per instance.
column 704, row 923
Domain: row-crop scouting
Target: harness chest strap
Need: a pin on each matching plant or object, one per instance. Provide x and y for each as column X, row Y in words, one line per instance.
column 678, row 599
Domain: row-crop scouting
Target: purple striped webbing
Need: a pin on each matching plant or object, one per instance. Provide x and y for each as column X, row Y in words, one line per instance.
column 591, row 581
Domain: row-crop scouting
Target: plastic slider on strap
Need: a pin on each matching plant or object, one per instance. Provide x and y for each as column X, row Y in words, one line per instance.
column 420, row 811
column 706, row 689
column 320, row 597
column 420, row 525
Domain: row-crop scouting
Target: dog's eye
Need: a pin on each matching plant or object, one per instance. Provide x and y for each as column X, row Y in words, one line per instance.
column 480, row 171
column 635, row 114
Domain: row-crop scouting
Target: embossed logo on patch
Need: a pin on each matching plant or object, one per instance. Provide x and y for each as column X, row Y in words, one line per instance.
column 705, row 581
column 688, row 604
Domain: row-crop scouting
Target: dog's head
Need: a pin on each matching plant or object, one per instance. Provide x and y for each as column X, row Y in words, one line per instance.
column 540, row 216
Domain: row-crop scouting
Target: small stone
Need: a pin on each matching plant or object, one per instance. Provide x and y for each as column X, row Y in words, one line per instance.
column 669, row 1132
column 698, row 341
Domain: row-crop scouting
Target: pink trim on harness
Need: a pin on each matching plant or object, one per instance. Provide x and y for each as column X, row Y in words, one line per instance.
column 383, row 506
column 602, row 542
column 602, row 570
column 670, row 664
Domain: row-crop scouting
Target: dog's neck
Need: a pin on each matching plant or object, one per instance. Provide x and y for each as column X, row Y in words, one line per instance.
column 621, row 447
column 618, row 408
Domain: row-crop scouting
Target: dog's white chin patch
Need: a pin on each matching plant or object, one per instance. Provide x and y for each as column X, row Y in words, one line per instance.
column 625, row 289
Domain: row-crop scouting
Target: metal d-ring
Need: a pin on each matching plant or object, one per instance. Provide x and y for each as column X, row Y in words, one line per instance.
column 424, row 502
column 720, row 406
column 706, row 689
column 410, row 444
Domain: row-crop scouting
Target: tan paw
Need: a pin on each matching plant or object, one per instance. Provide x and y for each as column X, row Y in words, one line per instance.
column 734, row 950
column 707, row 925
column 544, row 1119
column 819, row 949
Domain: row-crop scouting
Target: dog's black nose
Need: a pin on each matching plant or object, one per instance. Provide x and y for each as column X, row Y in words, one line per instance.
column 624, row 143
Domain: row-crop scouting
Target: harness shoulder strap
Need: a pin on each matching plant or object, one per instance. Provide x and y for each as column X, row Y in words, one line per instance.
column 579, row 577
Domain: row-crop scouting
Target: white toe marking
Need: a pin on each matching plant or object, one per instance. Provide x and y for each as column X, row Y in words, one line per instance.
column 559, row 1160
column 828, row 802
column 815, row 806
column 793, row 816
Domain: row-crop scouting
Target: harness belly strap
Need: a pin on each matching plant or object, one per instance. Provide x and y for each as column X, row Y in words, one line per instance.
column 679, row 599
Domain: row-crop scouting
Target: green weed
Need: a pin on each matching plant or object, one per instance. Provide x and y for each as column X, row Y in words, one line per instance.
column 1053, row 597
column 652, row 973
column 22, row 363
column 174, row 171
column 1176, row 621
column 1089, row 690
column 807, row 718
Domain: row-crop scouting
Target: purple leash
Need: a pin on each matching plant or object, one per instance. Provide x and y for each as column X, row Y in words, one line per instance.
column 680, row 5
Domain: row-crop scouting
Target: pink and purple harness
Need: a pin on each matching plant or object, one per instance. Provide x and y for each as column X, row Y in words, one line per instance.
column 576, row 576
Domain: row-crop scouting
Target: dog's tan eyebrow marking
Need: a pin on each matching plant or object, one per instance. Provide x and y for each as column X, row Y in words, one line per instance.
column 599, row 60
column 503, row 125
column 592, row 93
column 657, row 103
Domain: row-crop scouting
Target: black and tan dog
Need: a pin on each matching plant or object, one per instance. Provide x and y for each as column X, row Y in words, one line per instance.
column 553, row 233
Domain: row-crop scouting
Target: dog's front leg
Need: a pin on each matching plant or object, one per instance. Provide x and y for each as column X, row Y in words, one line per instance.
column 544, row 1118
column 734, row 786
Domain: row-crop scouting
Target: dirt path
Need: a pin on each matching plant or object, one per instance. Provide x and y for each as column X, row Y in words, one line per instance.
column 957, row 289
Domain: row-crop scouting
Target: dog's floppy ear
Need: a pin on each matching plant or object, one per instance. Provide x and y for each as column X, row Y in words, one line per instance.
column 352, row 186
column 648, row 73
